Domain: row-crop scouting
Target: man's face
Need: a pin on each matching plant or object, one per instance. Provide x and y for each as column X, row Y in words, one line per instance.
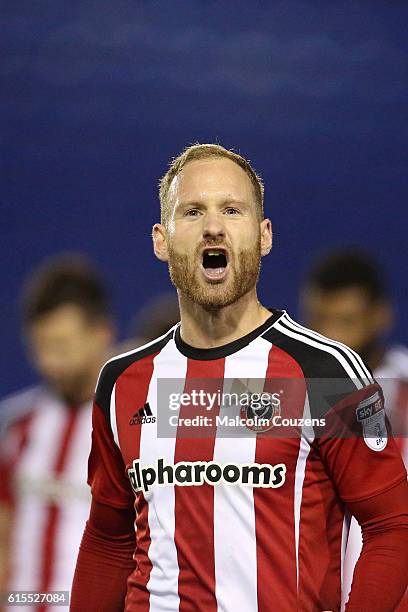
column 214, row 237
column 346, row 315
column 66, row 348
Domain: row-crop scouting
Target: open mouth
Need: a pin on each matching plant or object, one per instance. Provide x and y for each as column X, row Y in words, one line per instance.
column 215, row 263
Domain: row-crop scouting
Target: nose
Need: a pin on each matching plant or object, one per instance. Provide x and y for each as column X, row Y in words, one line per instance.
column 213, row 226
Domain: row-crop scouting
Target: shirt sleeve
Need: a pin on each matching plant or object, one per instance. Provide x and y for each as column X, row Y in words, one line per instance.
column 381, row 574
column 106, row 469
column 357, row 446
column 105, row 560
column 364, row 463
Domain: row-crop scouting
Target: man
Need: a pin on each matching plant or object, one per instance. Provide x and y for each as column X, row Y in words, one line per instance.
column 253, row 521
column 45, row 446
column 345, row 297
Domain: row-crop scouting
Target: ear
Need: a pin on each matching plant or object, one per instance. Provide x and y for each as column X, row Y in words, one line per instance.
column 159, row 236
column 266, row 236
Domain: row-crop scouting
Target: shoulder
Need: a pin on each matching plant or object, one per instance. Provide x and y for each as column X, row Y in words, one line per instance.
column 17, row 407
column 317, row 355
column 117, row 365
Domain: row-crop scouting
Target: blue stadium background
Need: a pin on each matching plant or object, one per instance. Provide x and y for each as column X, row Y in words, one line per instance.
column 96, row 96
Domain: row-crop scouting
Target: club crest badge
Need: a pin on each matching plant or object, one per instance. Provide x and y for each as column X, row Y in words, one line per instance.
column 258, row 415
column 371, row 414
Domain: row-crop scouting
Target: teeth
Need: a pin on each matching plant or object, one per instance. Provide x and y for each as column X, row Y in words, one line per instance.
column 214, row 252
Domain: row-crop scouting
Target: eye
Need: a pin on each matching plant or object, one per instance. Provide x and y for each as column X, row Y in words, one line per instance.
column 193, row 212
column 231, row 211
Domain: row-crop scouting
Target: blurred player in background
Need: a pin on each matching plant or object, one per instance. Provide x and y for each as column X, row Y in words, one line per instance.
column 154, row 319
column 345, row 298
column 44, row 498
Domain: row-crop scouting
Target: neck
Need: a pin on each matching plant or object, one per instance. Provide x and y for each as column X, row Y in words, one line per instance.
column 205, row 328
column 84, row 388
column 81, row 395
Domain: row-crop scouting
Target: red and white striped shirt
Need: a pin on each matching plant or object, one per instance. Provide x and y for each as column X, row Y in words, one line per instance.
column 43, row 466
column 222, row 542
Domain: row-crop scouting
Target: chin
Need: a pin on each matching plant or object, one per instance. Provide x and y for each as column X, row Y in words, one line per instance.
column 213, row 300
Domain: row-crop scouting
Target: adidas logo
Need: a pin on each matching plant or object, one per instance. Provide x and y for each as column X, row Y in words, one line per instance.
column 142, row 416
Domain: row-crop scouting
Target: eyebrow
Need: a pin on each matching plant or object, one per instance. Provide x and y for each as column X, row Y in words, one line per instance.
column 226, row 202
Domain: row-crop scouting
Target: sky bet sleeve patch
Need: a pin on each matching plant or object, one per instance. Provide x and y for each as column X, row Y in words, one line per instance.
column 371, row 414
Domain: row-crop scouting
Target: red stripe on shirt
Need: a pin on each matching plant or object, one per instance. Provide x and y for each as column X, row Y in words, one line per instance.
column 322, row 522
column 194, row 513
column 130, row 397
column 276, row 561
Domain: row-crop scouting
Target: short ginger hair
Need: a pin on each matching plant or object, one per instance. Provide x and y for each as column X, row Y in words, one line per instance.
column 207, row 151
